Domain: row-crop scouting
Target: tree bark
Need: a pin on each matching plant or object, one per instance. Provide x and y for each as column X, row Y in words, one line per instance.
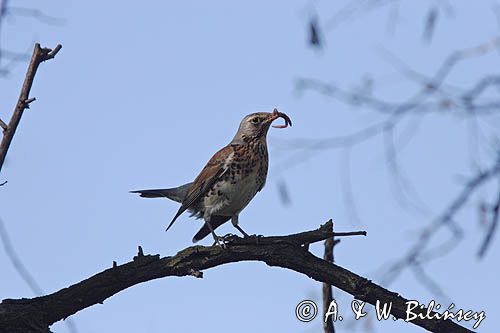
column 37, row 314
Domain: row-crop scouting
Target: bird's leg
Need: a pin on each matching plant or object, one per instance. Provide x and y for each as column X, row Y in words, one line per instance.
column 216, row 238
column 234, row 221
column 242, row 231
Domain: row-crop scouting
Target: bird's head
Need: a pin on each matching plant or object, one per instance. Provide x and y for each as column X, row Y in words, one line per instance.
column 256, row 125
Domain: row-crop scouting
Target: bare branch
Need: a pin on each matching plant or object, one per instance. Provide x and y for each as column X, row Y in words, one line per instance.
column 430, row 23
column 474, row 101
column 420, row 247
column 15, row 56
column 283, row 193
column 328, row 326
column 16, row 261
column 492, row 227
column 310, row 147
column 429, row 87
column 23, row 315
column 346, row 183
column 427, row 281
column 34, row 13
column 435, row 95
column 353, row 8
column 481, row 86
column 315, row 39
column 22, row 270
column 51, row 53
column 3, row 7
column 39, row 55
column 403, row 189
column 3, row 125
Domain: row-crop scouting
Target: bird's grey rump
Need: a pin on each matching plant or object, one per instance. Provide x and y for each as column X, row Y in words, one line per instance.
column 178, row 194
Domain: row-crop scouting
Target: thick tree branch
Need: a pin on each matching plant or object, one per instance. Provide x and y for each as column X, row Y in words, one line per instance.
column 39, row 55
column 37, row 314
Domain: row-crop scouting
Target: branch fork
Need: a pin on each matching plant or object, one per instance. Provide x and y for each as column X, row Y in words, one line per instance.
column 39, row 55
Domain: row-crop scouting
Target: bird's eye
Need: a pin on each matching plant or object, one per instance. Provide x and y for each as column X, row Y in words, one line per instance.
column 256, row 120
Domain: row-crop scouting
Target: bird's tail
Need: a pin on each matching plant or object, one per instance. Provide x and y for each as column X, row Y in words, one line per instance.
column 215, row 222
column 176, row 194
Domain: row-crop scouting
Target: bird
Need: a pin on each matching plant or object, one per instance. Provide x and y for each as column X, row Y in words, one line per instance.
column 230, row 179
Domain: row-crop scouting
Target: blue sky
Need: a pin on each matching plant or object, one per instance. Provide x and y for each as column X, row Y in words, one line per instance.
column 142, row 95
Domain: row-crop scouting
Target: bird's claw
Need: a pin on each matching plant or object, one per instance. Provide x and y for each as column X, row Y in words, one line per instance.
column 223, row 241
column 229, row 237
column 219, row 242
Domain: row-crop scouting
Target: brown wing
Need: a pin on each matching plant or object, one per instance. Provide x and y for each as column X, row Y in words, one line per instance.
column 212, row 172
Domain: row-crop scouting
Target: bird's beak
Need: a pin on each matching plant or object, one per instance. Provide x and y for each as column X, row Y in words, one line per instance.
column 275, row 115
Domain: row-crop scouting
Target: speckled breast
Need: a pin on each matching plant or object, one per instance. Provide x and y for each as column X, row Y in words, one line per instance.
column 246, row 176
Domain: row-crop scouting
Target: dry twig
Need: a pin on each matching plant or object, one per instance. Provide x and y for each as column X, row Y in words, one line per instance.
column 39, row 55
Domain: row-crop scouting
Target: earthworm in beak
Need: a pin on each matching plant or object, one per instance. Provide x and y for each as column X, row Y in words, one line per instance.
column 277, row 114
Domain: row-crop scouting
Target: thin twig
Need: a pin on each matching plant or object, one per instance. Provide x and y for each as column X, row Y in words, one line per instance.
column 492, row 228
column 420, row 247
column 3, row 125
column 17, row 262
column 36, row 14
column 328, row 326
column 435, row 95
column 39, row 55
column 346, row 183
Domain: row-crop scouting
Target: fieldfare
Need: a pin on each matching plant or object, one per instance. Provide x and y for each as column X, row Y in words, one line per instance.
column 230, row 179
